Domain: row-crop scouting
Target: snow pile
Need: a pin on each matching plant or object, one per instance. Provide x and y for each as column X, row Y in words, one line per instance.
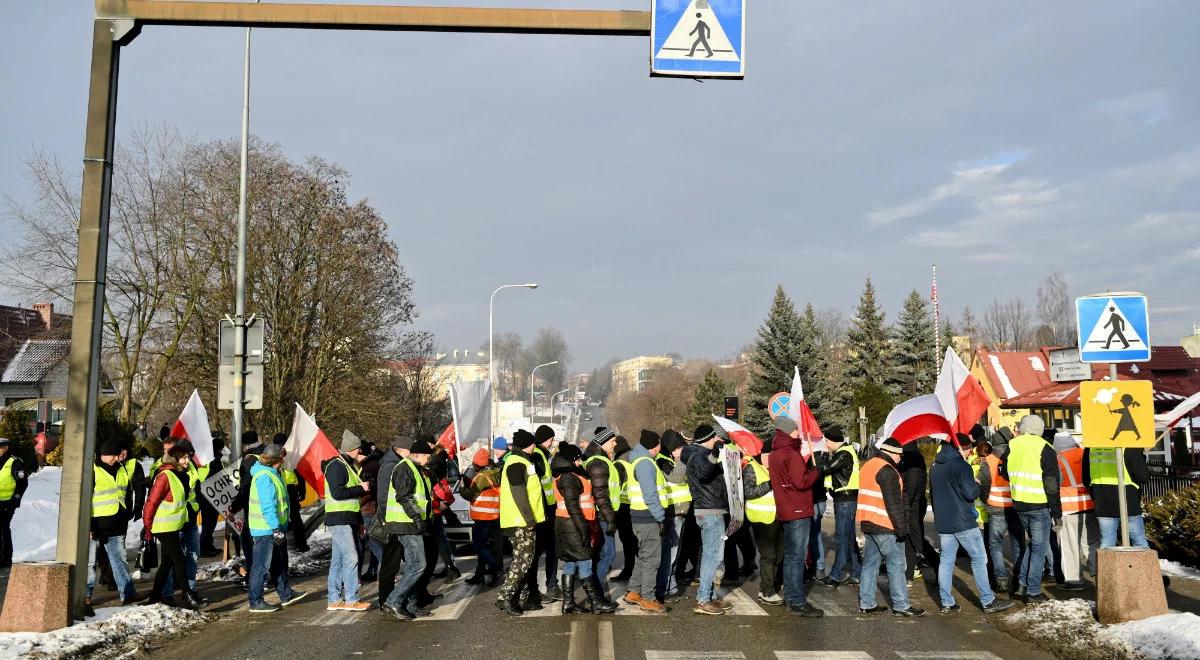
column 1175, row 635
column 115, row 632
column 1176, row 569
column 35, row 524
column 1068, row 629
column 316, row 560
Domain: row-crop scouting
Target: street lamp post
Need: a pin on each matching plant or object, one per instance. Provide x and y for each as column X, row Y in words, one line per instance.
column 556, row 394
column 531, row 373
column 491, row 340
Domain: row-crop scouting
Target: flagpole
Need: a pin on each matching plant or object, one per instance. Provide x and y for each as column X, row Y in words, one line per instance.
column 937, row 325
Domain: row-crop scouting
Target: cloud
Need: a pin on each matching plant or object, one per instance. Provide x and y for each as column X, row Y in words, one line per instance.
column 963, row 182
column 1164, row 173
column 1147, row 107
column 1151, row 220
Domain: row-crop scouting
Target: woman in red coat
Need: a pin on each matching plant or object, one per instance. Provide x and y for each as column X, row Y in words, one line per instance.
column 163, row 516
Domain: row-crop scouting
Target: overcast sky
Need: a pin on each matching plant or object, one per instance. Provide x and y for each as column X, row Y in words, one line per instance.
column 1001, row 141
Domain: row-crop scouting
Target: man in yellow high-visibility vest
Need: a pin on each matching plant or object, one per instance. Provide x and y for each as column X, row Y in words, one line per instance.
column 760, row 513
column 544, row 450
column 1031, row 467
column 841, row 465
column 520, row 512
column 110, row 520
column 344, row 489
column 13, row 482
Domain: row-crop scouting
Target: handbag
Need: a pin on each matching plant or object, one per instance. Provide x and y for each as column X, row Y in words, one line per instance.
column 376, row 530
column 147, row 558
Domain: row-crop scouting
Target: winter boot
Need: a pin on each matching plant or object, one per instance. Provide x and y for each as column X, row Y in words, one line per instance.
column 568, row 601
column 596, row 600
column 601, row 594
column 193, row 599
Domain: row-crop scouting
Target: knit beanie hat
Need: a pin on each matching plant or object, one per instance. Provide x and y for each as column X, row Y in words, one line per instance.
column 671, row 440
column 279, row 439
column 703, row 433
column 500, row 443
column 622, row 446
column 420, row 447
column 523, row 439
column 569, row 452
column 977, row 433
column 649, row 439
column 350, row 442
column 111, row 447
column 785, row 424
column 833, row 433
column 892, row 445
column 543, row 433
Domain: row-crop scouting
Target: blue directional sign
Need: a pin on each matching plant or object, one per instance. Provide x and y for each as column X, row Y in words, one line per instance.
column 698, row 38
column 1113, row 327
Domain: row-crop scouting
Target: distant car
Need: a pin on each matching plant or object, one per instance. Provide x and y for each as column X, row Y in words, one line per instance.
column 587, row 417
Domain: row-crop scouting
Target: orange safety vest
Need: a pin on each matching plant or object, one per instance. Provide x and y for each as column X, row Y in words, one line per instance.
column 486, row 505
column 871, row 507
column 1072, row 491
column 585, row 500
column 1001, row 493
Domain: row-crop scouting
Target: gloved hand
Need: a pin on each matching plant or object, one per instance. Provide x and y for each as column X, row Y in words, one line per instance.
column 662, row 528
column 421, row 526
column 716, row 450
column 610, row 529
column 147, row 535
column 1056, row 524
column 279, row 537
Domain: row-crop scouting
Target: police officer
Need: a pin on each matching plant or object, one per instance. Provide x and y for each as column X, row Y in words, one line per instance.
column 1031, row 466
column 521, row 511
column 13, row 482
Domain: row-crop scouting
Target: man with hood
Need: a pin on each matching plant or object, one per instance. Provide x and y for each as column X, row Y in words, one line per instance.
column 884, row 521
column 678, row 500
column 647, row 497
column 606, row 491
column 1031, row 466
column 792, row 479
column 344, row 489
column 543, row 449
column 954, row 492
column 574, row 528
column 710, row 502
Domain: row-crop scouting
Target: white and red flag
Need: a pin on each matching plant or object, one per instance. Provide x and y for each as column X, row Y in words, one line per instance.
column 449, row 440
column 741, row 436
column 800, row 413
column 963, row 399
column 916, row 418
column 307, row 447
column 193, row 425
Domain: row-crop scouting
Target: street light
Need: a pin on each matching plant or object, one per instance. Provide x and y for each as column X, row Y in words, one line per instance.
column 531, row 373
column 552, row 404
column 491, row 339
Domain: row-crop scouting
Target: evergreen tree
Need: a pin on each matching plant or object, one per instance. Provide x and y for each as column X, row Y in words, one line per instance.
column 948, row 342
column 774, row 357
column 837, row 400
column 913, row 367
column 708, row 400
column 867, row 351
column 878, row 402
column 814, row 365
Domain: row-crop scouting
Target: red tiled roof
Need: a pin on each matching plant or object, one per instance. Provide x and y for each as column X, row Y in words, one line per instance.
column 1012, row 373
column 1066, row 395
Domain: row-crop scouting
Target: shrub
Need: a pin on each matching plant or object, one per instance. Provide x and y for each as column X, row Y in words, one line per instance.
column 1173, row 525
column 15, row 427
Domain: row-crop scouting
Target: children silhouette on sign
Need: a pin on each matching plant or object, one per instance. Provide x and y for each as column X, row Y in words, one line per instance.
column 1126, row 422
column 702, row 32
column 1118, row 328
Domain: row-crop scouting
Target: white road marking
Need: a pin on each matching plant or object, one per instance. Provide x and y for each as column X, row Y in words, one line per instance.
column 829, row 603
column 606, row 649
column 695, row 655
column 743, row 605
column 455, row 602
column 823, row 655
column 948, row 655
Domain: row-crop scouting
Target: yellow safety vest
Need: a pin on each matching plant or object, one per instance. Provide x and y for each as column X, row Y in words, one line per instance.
column 852, row 484
column 290, row 478
column 108, row 492
column 8, row 484
column 980, row 509
column 395, row 512
column 255, row 517
column 1102, row 468
column 636, row 500
column 628, row 477
column 170, row 515
column 614, row 480
column 510, row 515
column 546, row 478
column 354, row 478
column 1025, row 469
column 676, row 493
column 761, row 509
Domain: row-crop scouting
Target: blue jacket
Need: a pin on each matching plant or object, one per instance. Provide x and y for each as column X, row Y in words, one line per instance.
column 266, row 498
column 646, row 478
column 954, row 491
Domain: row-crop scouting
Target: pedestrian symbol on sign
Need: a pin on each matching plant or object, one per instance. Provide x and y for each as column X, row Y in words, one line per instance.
column 1113, row 328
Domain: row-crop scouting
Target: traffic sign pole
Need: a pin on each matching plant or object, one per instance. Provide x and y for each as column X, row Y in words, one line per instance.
column 1122, row 504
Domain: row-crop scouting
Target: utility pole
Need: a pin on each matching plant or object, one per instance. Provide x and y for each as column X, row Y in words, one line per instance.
column 239, row 305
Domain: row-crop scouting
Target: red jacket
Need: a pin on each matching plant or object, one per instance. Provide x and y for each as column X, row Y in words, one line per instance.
column 442, row 497
column 792, row 479
column 160, row 491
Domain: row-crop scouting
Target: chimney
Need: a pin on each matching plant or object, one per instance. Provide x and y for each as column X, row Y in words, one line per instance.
column 47, row 312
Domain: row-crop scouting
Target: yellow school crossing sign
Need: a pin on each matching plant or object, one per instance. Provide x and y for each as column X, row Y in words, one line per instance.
column 1117, row 413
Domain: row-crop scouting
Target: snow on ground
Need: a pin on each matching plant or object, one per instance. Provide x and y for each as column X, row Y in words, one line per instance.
column 35, row 525
column 1176, row 569
column 115, row 632
column 1068, row 629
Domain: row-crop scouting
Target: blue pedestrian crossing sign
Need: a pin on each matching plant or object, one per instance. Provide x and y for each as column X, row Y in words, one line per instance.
column 1113, row 327
column 698, row 38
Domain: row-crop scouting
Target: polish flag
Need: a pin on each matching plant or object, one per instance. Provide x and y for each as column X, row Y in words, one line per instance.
column 962, row 398
column 307, row 447
column 799, row 411
column 917, row 418
column 740, row 436
column 193, row 425
column 449, row 440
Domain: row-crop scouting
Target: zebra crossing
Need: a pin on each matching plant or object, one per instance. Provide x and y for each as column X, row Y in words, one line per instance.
column 823, row 655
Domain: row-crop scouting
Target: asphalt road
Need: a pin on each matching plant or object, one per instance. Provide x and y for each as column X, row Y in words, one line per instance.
column 467, row 625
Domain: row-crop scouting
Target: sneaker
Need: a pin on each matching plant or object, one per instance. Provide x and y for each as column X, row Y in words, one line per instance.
column 829, row 582
column 878, row 609
column 297, row 596
column 721, row 603
column 912, row 611
column 653, row 607
column 264, row 608
column 773, row 599
column 950, row 609
column 674, row 596
column 335, row 606
column 807, row 611
column 417, row 610
column 707, row 608
column 632, row 598
column 356, row 606
column 396, row 613
column 1036, row 598
column 1071, row 586
column 997, row 605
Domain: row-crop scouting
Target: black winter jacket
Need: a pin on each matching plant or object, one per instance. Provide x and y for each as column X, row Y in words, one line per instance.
column 893, row 501
column 839, row 465
column 392, row 473
column 751, row 489
column 336, row 478
column 1107, row 498
column 573, row 534
column 249, row 459
column 706, row 479
column 598, row 473
column 116, row 524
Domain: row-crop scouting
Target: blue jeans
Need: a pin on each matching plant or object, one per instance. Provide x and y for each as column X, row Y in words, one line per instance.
column 669, row 542
column 481, row 540
column 1110, row 532
column 269, row 558
column 712, row 528
column 579, row 569
column 372, row 550
column 972, row 541
column 342, row 584
column 847, row 541
column 1037, row 526
column 1001, row 522
column 816, row 544
column 883, row 549
column 189, row 540
column 414, row 563
column 795, row 549
column 114, row 547
column 608, row 554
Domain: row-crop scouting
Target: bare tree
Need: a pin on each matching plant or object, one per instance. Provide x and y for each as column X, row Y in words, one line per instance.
column 511, row 376
column 664, row 403
column 548, row 346
column 832, row 327
column 1055, row 312
column 1007, row 326
column 968, row 325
